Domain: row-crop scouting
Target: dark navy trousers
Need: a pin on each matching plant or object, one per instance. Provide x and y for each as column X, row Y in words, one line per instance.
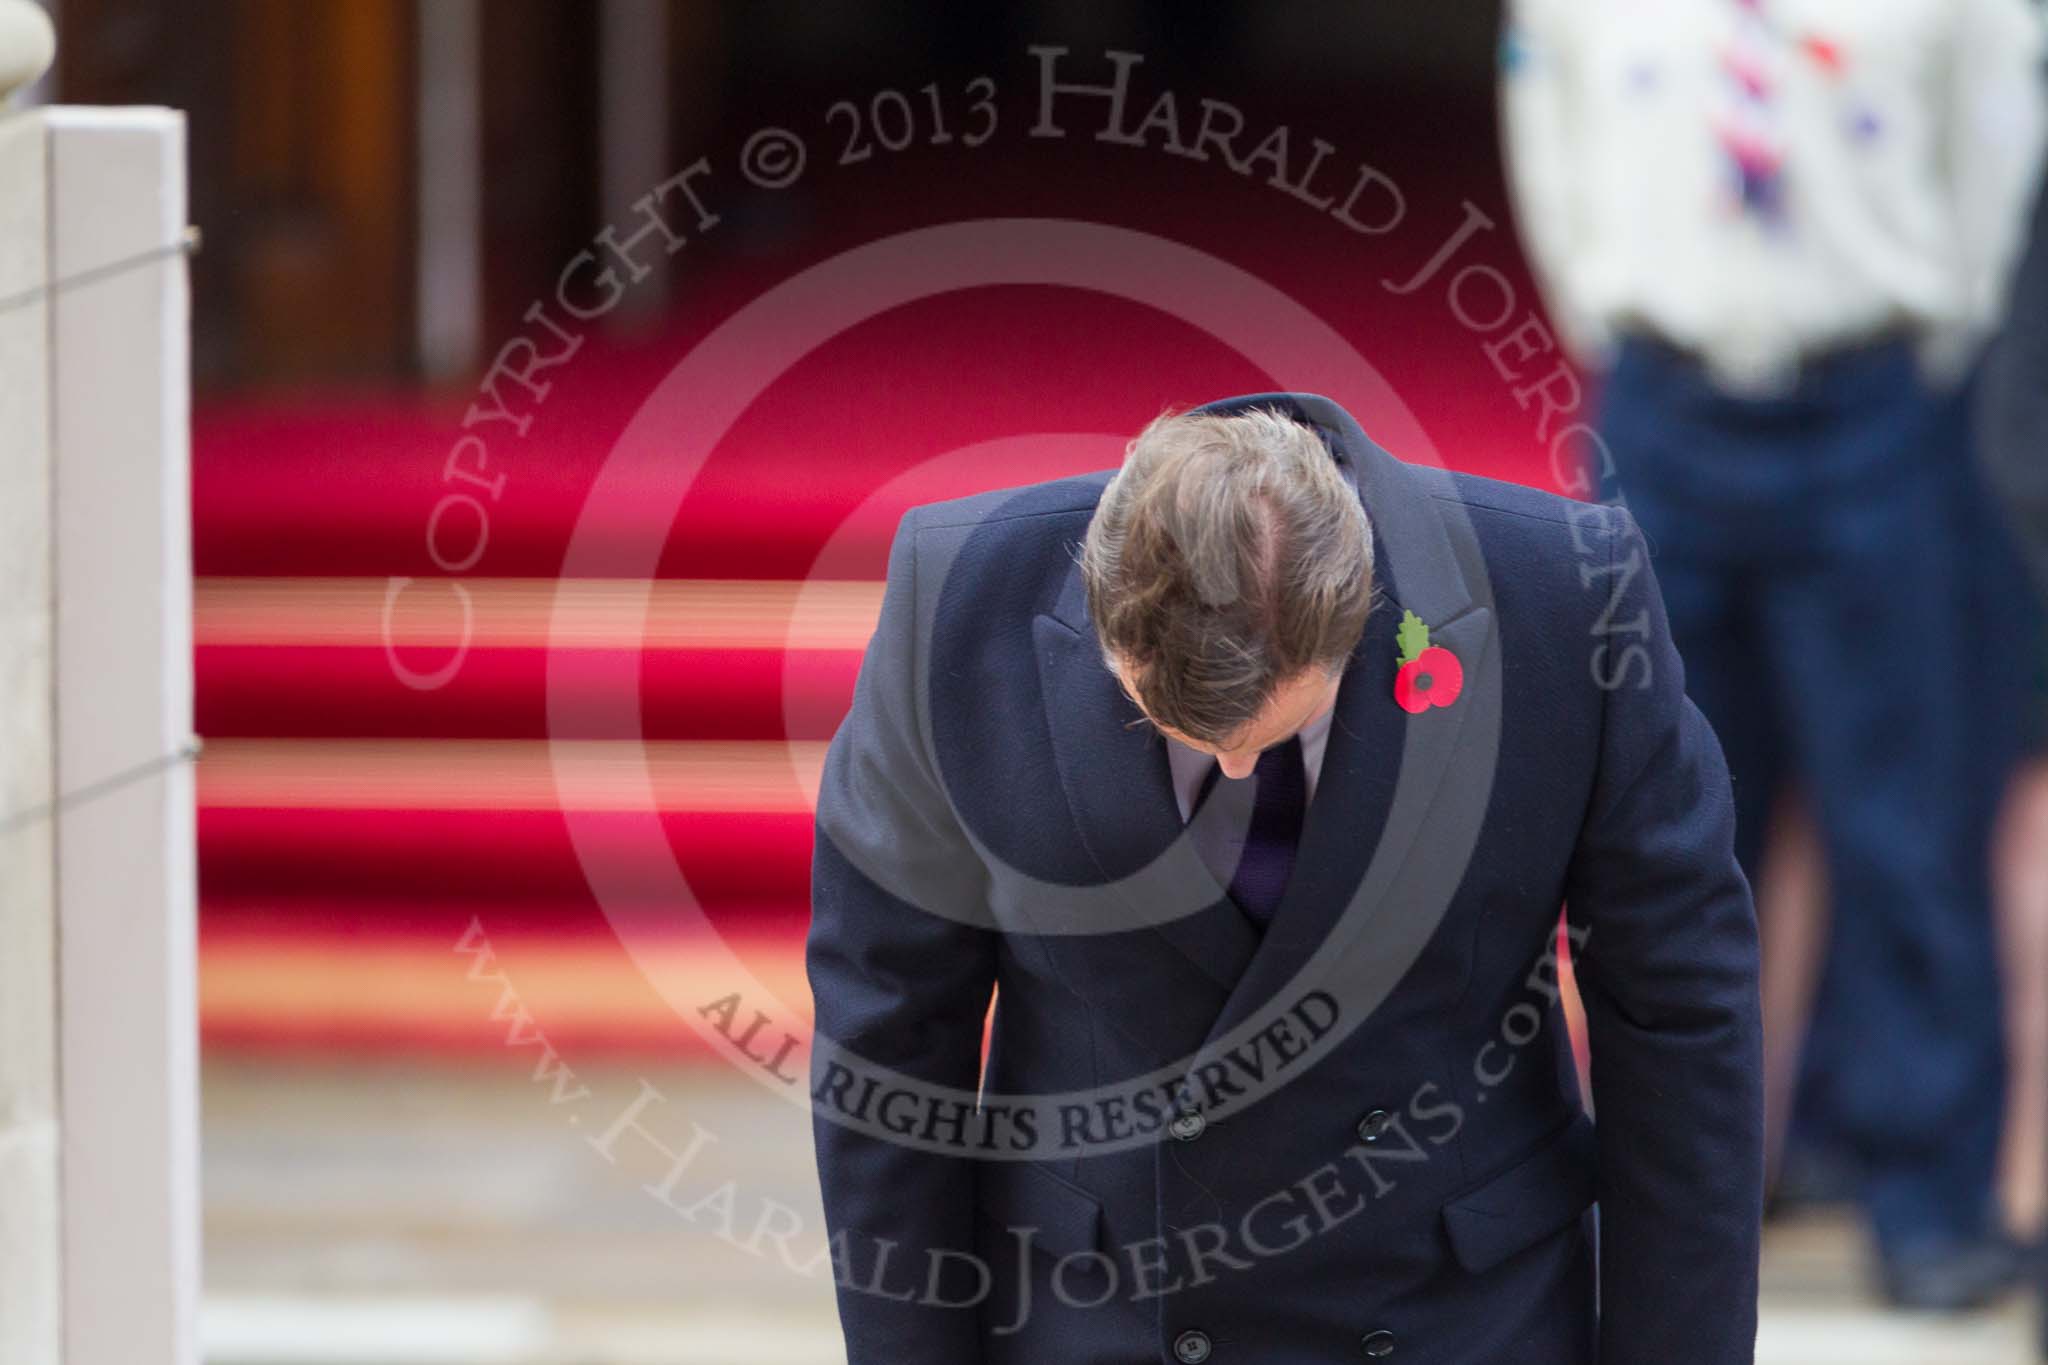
column 1823, row 556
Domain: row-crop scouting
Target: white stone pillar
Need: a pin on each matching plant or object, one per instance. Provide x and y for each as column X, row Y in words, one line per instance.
column 29, row 1301
column 99, row 1217
column 128, row 1052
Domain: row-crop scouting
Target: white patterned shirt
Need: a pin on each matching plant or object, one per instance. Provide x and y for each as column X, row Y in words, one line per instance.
column 1757, row 179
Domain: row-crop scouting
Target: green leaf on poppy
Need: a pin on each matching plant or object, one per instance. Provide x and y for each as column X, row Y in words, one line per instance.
column 1412, row 636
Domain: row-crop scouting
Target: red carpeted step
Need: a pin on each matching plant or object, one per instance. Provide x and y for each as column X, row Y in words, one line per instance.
column 336, row 879
column 482, row 982
column 433, row 921
column 523, row 857
column 363, row 478
column 287, row 691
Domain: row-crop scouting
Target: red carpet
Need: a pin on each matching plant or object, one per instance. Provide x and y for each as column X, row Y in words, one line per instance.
column 354, row 827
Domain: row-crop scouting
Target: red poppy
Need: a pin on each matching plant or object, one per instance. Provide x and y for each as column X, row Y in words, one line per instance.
column 1432, row 678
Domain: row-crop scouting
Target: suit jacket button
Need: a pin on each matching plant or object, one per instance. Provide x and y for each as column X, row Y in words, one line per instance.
column 1378, row 1344
column 1188, row 1126
column 1191, row 1347
column 1373, row 1126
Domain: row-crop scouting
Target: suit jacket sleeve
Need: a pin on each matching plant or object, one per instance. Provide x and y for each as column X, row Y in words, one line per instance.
column 1667, row 969
column 900, row 986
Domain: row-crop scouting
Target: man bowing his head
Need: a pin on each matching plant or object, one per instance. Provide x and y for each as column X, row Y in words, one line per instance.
column 1264, row 783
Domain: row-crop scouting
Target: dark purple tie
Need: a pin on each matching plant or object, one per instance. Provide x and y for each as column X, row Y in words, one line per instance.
column 1279, row 801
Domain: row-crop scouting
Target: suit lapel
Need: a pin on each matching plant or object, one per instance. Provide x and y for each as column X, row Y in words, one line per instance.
column 1115, row 775
column 1353, row 844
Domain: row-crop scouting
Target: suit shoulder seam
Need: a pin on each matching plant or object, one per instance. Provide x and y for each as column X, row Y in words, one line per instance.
column 1560, row 518
column 924, row 525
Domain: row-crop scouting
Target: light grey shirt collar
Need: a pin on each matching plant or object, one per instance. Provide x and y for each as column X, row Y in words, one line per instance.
column 1190, row 766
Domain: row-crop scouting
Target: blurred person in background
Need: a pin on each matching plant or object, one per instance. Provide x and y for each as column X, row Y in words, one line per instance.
column 1778, row 233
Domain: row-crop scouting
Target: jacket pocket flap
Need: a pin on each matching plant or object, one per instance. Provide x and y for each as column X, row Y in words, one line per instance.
column 1536, row 1197
column 1038, row 1207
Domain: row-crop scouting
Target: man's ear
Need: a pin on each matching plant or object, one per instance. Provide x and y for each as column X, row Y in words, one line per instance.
column 1113, row 661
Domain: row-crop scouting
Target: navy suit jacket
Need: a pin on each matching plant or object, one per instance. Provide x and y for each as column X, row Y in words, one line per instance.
column 1397, row 1160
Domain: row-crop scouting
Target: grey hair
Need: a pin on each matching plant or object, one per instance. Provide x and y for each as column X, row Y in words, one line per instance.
column 1225, row 557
